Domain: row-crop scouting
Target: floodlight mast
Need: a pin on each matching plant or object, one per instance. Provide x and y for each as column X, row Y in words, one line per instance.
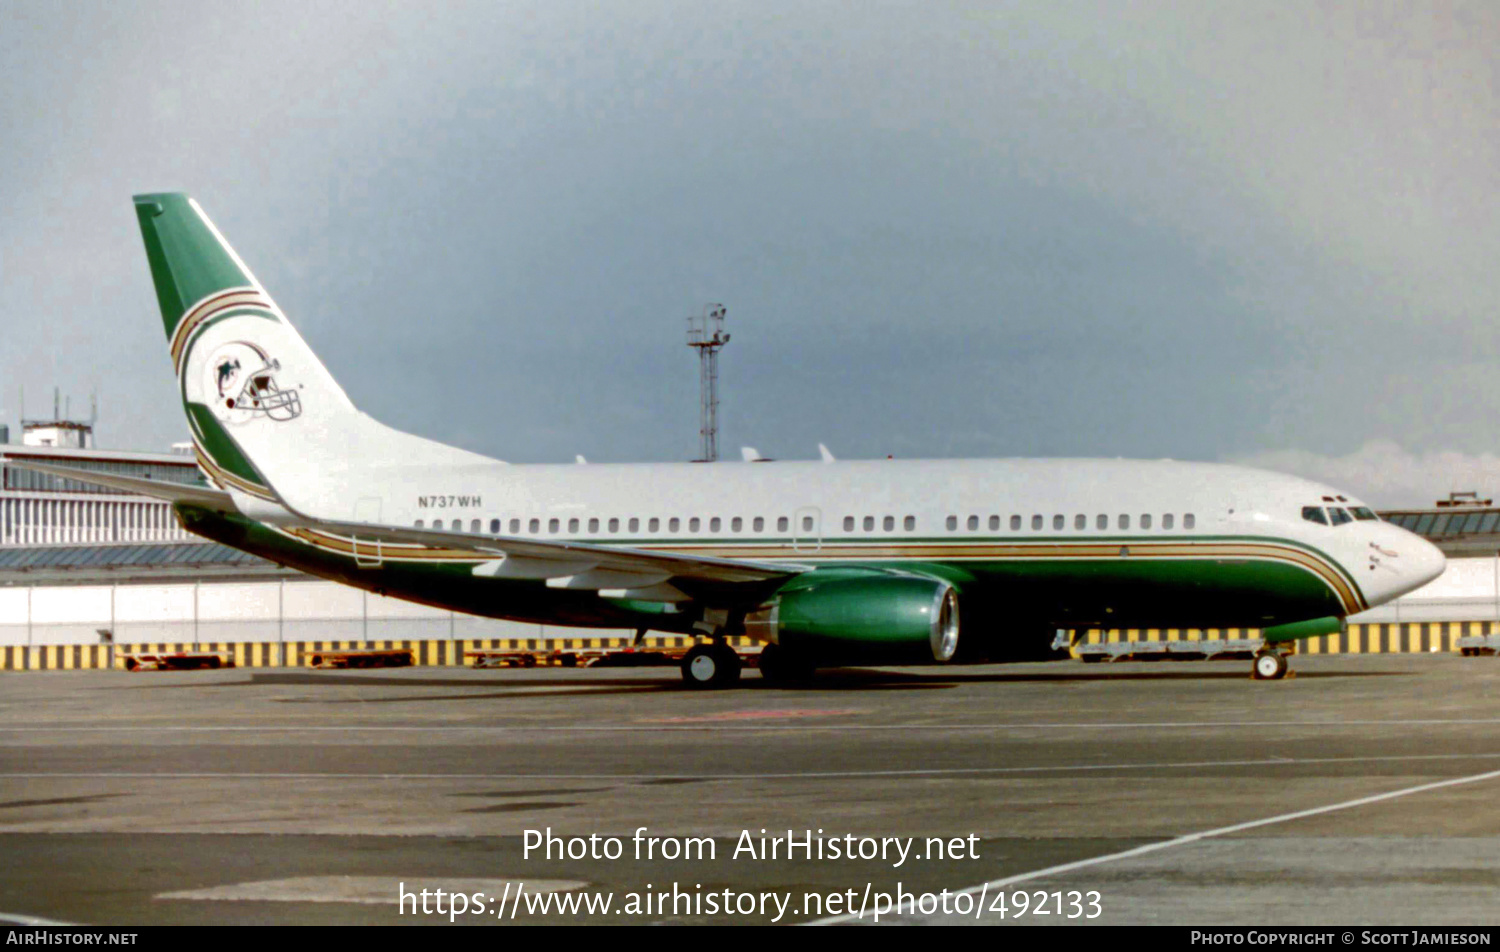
column 706, row 333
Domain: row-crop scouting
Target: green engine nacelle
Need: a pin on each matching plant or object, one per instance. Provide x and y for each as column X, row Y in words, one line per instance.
column 875, row 619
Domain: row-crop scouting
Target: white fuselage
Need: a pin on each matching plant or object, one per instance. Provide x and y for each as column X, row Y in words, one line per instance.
column 814, row 511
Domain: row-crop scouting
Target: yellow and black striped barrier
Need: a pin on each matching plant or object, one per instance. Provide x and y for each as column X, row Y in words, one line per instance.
column 1402, row 638
column 300, row 654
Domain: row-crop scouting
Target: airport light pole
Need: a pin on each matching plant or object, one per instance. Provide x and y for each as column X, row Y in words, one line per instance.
column 706, row 333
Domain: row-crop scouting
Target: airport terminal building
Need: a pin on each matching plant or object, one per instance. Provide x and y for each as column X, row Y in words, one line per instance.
column 89, row 576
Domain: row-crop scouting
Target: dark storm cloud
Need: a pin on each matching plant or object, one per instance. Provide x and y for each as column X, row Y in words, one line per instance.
column 1188, row 230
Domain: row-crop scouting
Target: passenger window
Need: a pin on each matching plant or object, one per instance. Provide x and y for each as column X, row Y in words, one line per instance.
column 674, row 524
column 911, row 523
column 494, row 526
column 572, row 525
column 419, row 523
column 807, row 523
column 1314, row 514
column 1058, row 522
column 759, row 525
column 848, row 523
column 553, row 525
column 889, row 523
column 515, row 526
column 693, row 524
column 952, row 523
column 869, row 523
column 1102, row 522
column 535, row 526
column 1080, row 521
column 1036, row 522
column 714, row 524
column 654, row 525
column 1146, row 520
column 614, row 524
column 1015, row 523
column 973, row 523
column 1124, row 522
column 593, row 525
column 781, row 524
column 1339, row 515
column 1166, row 521
column 1189, row 521
column 473, row 525
column 736, row 524
column 635, row 524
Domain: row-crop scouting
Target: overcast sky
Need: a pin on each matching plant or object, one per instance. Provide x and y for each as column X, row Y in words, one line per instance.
column 1240, row 231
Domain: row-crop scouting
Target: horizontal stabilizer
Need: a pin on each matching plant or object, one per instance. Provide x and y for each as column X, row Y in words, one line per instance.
column 204, row 496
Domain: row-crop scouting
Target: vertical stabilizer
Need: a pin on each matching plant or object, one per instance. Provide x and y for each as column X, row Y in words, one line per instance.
column 267, row 418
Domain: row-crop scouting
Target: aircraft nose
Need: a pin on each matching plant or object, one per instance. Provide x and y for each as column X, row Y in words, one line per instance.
column 1416, row 561
column 1400, row 562
column 1427, row 561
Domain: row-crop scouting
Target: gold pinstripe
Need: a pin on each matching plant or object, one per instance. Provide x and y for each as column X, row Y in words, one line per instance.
column 215, row 303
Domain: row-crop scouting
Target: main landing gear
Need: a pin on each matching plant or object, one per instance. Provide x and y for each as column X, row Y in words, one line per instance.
column 711, row 666
column 1269, row 665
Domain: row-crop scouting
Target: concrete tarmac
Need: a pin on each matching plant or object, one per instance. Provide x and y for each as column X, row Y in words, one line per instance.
column 1361, row 791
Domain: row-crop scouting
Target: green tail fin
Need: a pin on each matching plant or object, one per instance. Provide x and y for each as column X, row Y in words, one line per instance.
column 189, row 259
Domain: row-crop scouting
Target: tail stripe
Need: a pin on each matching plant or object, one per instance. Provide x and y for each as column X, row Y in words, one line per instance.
column 215, row 303
column 227, row 480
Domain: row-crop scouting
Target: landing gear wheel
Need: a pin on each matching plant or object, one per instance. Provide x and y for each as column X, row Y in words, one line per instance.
column 710, row 666
column 779, row 666
column 1269, row 666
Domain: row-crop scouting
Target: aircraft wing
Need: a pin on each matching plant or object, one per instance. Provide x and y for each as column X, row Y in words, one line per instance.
column 205, row 496
column 569, row 564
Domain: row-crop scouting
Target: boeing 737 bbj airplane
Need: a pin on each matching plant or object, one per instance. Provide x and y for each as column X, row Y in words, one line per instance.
column 829, row 563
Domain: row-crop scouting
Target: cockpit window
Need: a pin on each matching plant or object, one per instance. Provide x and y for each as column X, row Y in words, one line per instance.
column 1314, row 514
column 1339, row 515
column 1363, row 514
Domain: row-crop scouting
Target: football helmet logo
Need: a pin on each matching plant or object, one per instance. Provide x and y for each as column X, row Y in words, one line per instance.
column 242, row 382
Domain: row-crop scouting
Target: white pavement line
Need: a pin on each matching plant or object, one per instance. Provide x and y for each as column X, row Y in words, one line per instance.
column 16, row 919
column 998, row 884
column 369, row 890
column 779, row 725
column 808, row 775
